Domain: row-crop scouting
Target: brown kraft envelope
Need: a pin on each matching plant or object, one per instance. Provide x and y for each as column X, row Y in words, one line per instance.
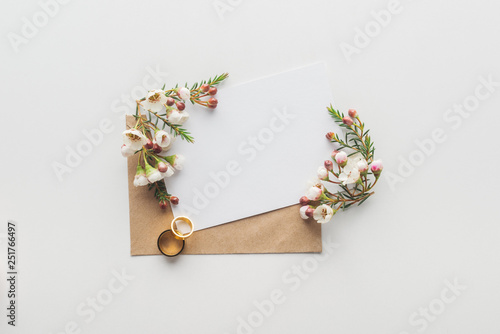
column 279, row 231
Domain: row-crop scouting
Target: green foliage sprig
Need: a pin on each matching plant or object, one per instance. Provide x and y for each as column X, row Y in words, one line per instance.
column 356, row 174
column 159, row 118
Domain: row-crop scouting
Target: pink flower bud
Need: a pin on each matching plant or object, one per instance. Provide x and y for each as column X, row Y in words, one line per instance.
column 341, row 158
column 157, row 148
column 304, row 200
column 174, row 200
column 347, row 121
column 212, row 90
column 180, row 105
column 310, row 212
column 149, row 144
column 353, row 113
column 377, row 167
column 329, row 165
column 334, row 153
column 303, row 210
column 204, row 88
column 212, row 102
column 170, row 101
column 163, row 204
column 330, row 135
column 162, row 167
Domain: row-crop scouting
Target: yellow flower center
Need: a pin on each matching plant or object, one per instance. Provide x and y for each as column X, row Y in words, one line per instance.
column 133, row 137
column 154, row 98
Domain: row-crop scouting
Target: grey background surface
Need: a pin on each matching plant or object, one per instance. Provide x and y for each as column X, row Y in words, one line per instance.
column 420, row 256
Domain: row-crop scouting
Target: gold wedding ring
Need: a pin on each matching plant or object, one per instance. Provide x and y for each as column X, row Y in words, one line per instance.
column 178, row 234
column 171, row 242
column 170, row 245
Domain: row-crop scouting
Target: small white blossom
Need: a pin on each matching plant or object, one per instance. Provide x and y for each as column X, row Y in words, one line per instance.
column 153, row 175
column 163, row 139
column 184, row 93
column 314, row 193
column 303, row 210
column 177, row 117
column 323, row 213
column 140, row 178
column 178, row 162
column 169, row 172
column 350, row 173
column 155, row 100
column 322, row 173
column 127, row 151
column 134, row 139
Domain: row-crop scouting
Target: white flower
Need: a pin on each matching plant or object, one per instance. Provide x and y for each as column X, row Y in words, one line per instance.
column 184, row 93
column 127, row 151
column 164, row 150
column 163, row 139
column 314, row 193
column 322, row 173
column 316, row 183
column 168, row 173
column 349, row 177
column 323, row 213
column 303, row 210
column 155, row 100
column 179, row 162
column 165, row 169
column 350, row 173
column 140, row 178
column 153, row 174
column 362, row 165
column 134, row 139
column 177, row 117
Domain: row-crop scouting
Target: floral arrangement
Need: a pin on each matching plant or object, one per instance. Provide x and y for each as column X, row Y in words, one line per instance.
column 149, row 138
column 356, row 171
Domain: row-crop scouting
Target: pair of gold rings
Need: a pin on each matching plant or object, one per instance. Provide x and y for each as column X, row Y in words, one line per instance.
column 171, row 242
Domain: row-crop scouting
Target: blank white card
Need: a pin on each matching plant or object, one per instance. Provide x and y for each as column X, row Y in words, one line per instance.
column 257, row 151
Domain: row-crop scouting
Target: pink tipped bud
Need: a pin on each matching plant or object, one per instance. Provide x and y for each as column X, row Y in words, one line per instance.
column 163, row 204
column 170, row 101
column 330, row 135
column 174, row 200
column 180, row 105
column 347, row 121
column 334, row 153
column 212, row 90
column 306, row 212
column 157, row 148
column 353, row 113
column 310, row 212
column 205, row 88
column 341, row 158
column 376, row 167
column 149, row 144
column 304, row 200
column 329, row 165
column 162, row 167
